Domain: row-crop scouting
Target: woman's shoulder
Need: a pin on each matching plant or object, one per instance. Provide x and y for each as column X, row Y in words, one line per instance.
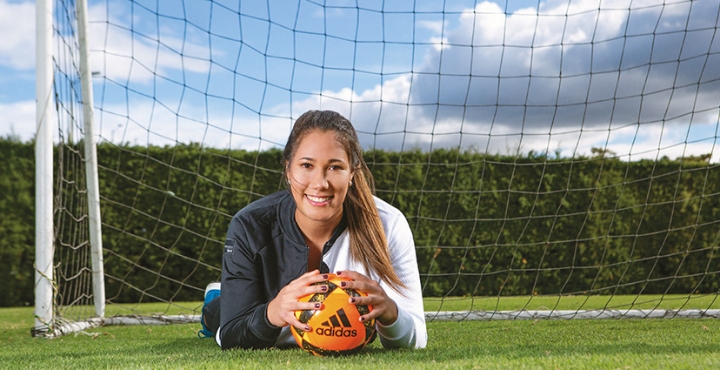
column 397, row 228
column 266, row 207
column 386, row 210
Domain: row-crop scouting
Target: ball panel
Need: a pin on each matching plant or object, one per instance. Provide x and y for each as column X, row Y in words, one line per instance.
column 337, row 329
column 337, row 326
column 318, row 351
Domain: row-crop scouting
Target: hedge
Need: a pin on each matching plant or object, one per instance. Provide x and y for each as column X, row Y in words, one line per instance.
column 483, row 224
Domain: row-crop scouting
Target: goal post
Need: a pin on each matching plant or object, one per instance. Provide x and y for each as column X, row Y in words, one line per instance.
column 554, row 159
column 43, row 168
column 46, row 322
column 91, row 162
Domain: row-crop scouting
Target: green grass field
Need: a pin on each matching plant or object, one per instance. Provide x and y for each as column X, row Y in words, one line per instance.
column 520, row 344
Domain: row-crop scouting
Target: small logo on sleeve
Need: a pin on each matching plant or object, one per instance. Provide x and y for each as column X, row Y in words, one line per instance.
column 229, row 246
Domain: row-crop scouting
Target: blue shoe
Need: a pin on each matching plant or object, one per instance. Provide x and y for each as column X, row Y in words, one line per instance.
column 212, row 291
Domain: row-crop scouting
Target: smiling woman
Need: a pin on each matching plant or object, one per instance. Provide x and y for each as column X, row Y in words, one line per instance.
column 284, row 246
column 319, row 178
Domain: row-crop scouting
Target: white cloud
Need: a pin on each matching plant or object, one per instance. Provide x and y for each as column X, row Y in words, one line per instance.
column 533, row 47
column 18, row 119
column 567, row 65
column 17, row 25
column 123, row 53
column 434, row 26
column 439, row 43
column 602, row 110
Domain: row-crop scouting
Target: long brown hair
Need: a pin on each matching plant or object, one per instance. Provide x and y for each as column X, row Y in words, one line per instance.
column 368, row 243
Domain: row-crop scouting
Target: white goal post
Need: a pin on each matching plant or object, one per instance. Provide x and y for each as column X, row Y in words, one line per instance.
column 541, row 150
column 45, row 284
column 43, row 170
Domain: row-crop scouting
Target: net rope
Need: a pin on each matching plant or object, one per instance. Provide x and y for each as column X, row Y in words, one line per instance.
column 538, row 149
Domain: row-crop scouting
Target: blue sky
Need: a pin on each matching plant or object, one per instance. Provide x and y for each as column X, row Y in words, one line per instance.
column 634, row 77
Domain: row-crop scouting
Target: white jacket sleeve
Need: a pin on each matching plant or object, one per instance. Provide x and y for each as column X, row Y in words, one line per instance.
column 409, row 331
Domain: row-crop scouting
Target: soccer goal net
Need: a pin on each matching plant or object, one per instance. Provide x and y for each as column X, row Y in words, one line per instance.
column 554, row 158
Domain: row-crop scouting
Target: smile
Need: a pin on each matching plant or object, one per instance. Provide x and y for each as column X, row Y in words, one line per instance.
column 315, row 199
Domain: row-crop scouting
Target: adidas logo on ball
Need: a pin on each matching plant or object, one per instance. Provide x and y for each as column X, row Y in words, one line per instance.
column 337, row 326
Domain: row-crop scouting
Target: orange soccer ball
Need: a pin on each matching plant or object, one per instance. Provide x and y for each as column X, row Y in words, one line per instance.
column 336, row 329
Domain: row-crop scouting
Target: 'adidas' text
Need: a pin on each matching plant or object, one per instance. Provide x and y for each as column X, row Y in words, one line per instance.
column 339, row 332
column 337, row 325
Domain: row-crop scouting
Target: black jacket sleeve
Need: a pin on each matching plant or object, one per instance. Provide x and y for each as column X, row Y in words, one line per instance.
column 264, row 251
column 243, row 319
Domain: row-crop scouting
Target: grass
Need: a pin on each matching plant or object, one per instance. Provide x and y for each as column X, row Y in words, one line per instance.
column 610, row 302
column 521, row 344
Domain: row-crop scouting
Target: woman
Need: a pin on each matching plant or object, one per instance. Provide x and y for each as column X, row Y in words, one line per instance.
column 327, row 220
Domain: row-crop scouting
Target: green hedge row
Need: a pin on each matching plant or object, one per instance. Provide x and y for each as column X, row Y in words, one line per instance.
column 17, row 222
column 483, row 224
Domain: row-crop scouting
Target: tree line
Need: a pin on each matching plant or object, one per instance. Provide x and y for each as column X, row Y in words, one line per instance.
column 484, row 225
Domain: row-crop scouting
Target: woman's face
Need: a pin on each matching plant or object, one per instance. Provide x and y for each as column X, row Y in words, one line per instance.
column 319, row 174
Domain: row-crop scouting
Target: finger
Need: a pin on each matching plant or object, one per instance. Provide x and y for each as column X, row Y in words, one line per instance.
column 362, row 283
column 318, row 306
column 308, row 275
column 372, row 315
column 302, row 279
column 311, row 290
column 377, row 306
column 353, row 279
column 300, row 326
column 350, row 274
column 308, row 306
column 358, row 301
column 313, row 277
column 300, row 285
column 386, row 312
column 368, row 317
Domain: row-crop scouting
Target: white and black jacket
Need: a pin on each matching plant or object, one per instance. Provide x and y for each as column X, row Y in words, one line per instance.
column 264, row 251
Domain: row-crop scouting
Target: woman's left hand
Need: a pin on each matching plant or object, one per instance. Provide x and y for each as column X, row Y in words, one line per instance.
column 384, row 309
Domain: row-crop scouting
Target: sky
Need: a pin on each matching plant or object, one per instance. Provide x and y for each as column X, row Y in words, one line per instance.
column 638, row 78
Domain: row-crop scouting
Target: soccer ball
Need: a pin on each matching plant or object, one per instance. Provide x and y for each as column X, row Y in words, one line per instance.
column 336, row 329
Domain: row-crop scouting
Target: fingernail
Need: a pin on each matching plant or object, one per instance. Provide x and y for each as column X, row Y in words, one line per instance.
column 338, row 273
column 307, row 328
column 326, row 276
column 343, row 284
column 353, row 300
column 362, row 319
column 317, row 305
column 323, row 288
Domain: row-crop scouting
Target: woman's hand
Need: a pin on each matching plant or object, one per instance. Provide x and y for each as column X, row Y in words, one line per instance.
column 281, row 310
column 384, row 309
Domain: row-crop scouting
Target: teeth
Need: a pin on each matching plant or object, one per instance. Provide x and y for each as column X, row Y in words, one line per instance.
column 318, row 199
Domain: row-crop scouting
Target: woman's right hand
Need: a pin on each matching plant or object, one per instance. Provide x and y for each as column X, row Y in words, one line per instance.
column 281, row 310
